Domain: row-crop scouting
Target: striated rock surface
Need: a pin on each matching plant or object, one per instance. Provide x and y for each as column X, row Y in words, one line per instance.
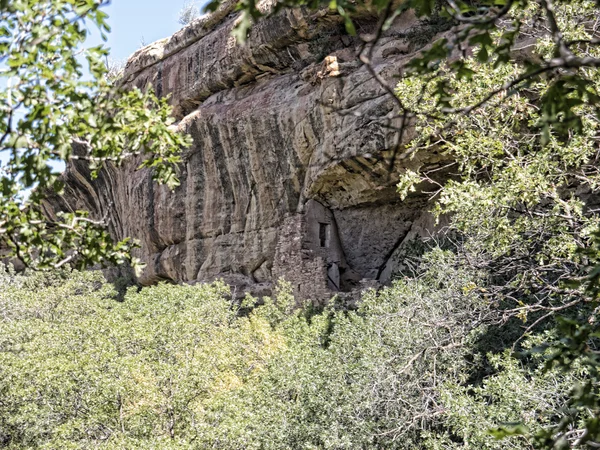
column 287, row 175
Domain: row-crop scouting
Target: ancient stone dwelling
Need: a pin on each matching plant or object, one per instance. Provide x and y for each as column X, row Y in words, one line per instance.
column 309, row 253
column 289, row 172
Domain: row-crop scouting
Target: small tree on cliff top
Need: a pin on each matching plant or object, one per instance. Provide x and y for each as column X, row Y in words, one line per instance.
column 188, row 13
column 48, row 105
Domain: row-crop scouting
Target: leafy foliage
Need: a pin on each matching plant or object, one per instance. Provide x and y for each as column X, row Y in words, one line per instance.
column 79, row 368
column 524, row 201
column 492, row 344
column 511, row 94
column 53, row 112
column 180, row 367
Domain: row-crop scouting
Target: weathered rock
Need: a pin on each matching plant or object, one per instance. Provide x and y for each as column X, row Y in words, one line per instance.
column 287, row 175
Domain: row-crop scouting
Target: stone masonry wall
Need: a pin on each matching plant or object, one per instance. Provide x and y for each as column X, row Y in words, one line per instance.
column 299, row 265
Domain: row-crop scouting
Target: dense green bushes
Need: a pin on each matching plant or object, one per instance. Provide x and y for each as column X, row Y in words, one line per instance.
column 78, row 367
column 179, row 367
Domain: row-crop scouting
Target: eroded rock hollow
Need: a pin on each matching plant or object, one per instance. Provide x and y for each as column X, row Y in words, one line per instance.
column 288, row 175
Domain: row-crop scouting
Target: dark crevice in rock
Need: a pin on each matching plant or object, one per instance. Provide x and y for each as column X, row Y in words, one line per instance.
column 389, row 254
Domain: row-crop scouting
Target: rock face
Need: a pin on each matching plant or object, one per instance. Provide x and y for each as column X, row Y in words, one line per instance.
column 287, row 176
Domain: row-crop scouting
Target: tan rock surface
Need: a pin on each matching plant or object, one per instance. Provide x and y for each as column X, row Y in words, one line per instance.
column 291, row 116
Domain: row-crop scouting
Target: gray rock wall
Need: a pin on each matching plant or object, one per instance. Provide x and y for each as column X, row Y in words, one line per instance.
column 287, row 121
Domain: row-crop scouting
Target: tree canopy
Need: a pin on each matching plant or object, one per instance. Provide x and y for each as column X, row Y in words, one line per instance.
column 56, row 96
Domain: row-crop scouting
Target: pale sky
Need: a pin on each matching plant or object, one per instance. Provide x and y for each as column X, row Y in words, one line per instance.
column 132, row 20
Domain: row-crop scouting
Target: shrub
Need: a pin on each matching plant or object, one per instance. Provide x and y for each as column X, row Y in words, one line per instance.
column 179, row 367
column 78, row 368
column 188, row 13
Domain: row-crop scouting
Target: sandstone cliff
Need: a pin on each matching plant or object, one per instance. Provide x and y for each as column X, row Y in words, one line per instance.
column 287, row 174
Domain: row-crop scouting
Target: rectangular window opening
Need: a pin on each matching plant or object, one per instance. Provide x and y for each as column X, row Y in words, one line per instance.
column 324, row 234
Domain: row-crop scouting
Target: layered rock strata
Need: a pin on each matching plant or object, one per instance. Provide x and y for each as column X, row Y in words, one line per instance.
column 288, row 175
